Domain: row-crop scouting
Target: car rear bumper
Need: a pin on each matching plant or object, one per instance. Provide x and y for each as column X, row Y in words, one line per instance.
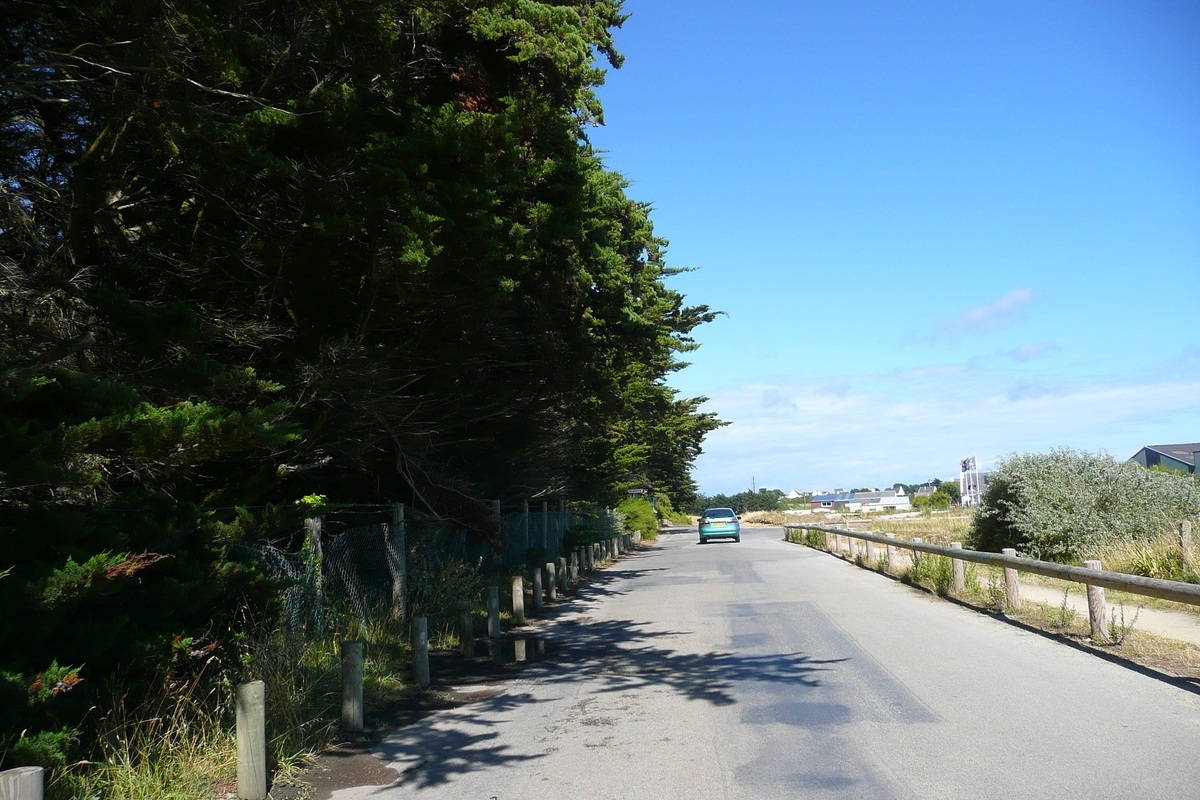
column 720, row 533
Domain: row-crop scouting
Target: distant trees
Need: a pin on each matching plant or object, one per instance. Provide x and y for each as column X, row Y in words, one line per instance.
column 762, row 500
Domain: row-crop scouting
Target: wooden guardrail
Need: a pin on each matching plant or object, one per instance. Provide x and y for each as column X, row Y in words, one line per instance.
column 1091, row 575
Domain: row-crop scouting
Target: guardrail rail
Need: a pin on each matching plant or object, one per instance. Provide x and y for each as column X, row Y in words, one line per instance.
column 1091, row 574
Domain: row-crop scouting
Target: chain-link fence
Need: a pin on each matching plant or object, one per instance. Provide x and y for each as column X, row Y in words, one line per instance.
column 371, row 560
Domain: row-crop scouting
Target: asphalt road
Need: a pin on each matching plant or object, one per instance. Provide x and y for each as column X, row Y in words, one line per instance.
column 767, row 670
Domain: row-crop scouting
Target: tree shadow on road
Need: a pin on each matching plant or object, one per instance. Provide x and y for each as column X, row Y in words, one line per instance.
column 600, row 651
column 454, row 742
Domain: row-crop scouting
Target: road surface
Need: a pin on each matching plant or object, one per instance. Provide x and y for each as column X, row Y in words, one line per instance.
column 763, row 669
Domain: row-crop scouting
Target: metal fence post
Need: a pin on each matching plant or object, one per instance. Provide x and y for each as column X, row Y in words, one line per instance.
column 1097, row 607
column 1012, row 584
column 251, row 707
column 352, row 686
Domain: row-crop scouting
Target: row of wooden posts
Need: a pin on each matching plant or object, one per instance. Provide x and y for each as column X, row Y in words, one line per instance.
column 547, row 581
column 1091, row 574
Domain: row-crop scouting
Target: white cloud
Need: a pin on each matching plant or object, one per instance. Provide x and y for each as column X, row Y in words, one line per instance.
column 913, row 426
column 1028, row 352
column 1004, row 312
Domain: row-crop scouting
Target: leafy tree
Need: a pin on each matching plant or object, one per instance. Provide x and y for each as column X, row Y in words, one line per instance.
column 256, row 251
column 1059, row 505
column 286, row 248
column 951, row 490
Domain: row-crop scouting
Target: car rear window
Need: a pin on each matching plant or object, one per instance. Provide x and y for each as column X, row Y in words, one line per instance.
column 714, row 513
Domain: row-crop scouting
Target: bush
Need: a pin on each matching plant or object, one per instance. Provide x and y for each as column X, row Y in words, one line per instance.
column 636, row 514
column 666, row 511
column 1065, row 504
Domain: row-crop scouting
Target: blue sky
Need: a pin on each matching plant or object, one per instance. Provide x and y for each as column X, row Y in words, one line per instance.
column 938, row 229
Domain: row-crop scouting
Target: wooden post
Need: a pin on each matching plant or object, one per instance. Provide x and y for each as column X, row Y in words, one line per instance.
column 573, row 567
column 957, row 567
column 518, row 599
column 829, row 540
column 466, row 629
column 525, row 523
column 251, row 711
column 891, row 553
column 551, row 582
column 493, row 611
column 1012, row 584
column 916, row 554
column 560, row 569
column 870, row 552
column 22, row 783
column 316, row 567
column 1185, row 540
column 352, row 686
column 539, row 601
column 1097, row 607
column 397, row 560
column 420, row 651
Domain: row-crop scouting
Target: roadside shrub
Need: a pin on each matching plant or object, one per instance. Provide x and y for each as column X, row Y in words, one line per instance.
column 1065, row 504
column 666, row 511
column 636, row 514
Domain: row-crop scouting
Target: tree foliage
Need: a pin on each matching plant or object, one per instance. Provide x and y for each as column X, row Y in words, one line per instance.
column 252, row 251
column 1059, row 505
column 762, row 500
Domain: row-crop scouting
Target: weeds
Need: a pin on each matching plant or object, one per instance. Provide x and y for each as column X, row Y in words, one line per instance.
column 1118, row 631
column 932, row 572
column 1065, row 615
column 997, row 598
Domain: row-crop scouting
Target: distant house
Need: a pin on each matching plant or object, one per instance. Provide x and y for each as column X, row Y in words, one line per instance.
column 1175, row 457
column 889, row 499
column 792, row 495
column 925, row 489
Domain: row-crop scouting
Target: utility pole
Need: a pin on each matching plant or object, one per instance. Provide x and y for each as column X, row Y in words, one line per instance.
column 753, row 489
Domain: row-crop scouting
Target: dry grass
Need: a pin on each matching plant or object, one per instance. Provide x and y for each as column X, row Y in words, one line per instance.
column 985, row 593
column 940, row 529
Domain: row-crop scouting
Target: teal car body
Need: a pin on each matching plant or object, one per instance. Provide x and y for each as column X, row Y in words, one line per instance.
column 720, row 523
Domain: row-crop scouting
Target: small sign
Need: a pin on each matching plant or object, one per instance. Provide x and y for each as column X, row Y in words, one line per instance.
column 635, row 491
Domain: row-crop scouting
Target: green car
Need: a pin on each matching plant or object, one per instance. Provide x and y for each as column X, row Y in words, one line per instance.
column 720, row 523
